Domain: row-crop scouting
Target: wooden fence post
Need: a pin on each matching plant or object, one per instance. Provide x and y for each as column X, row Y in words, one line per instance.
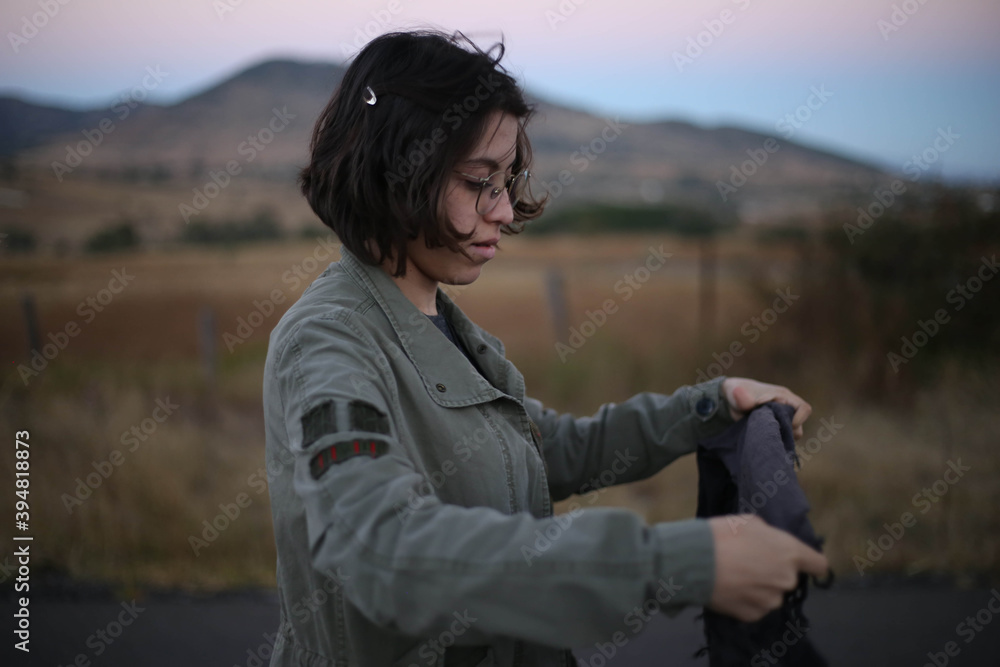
column 31, row 322
column 555, row 287
column 206, row 342
column 707, row 287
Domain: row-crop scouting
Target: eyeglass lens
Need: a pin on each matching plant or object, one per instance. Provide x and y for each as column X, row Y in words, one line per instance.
column 489, row 196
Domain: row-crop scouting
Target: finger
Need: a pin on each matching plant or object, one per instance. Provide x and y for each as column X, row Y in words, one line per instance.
column 770, row 600
column 802, row 408
column 748, row 613
column 812, row 562
column 756, row 609
column 749, row 399
column 802, row 412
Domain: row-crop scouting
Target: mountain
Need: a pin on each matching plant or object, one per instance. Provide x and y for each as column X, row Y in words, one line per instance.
column 200, row 133
column 26, row 125
column 263, row 116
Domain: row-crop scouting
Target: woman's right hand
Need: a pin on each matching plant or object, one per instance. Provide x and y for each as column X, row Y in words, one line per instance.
column 756, row 564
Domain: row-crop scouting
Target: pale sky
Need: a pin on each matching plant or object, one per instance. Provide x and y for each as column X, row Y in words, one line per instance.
column 897, row 71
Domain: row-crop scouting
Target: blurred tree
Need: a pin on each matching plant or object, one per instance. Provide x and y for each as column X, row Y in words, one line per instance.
column 313, row 228
column 15, row 239
column 263, row 226
column 119, row 236
column 8, row 169
column 917, row 287
column 594, row 218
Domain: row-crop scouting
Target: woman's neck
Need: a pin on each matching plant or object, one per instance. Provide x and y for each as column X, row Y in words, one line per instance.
column 415, row 286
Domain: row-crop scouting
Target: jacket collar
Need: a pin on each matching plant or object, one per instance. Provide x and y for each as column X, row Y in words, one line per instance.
column 447, row 374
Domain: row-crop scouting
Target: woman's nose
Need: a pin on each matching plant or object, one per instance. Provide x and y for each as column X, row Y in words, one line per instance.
column 503, row 212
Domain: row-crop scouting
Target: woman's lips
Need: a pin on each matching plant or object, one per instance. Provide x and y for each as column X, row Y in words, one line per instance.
column 486, row 249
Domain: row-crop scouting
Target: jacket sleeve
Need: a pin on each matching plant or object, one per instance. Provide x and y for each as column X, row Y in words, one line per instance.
column 627, row 442
column 566, row 580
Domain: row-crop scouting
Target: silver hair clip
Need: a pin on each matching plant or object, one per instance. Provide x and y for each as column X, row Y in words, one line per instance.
column 369, row 96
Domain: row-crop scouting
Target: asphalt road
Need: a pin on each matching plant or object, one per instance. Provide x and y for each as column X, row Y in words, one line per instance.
column 887, row 625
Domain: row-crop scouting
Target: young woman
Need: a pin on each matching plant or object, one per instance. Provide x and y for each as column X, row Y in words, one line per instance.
column 411, row 478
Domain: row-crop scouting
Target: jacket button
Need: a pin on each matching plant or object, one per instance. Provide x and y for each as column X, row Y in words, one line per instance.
column 481, row 349
column 441, row 387
column 705, row 406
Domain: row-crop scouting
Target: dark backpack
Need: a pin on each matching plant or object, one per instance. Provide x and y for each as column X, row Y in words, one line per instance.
column 749, row 469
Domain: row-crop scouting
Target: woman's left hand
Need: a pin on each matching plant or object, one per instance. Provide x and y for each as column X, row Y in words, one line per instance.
column 744, row 395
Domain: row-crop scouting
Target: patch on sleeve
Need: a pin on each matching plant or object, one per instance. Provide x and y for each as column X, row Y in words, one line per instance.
column 342, row 451
column 318, row 422
column 366, row 417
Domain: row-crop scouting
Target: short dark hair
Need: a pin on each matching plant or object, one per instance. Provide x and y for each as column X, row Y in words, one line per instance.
column 377, row 173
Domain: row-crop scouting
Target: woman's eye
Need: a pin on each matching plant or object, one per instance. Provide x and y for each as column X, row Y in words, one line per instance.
column 475, row 186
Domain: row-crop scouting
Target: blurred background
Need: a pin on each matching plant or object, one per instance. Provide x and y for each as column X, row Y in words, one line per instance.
column 823, row 177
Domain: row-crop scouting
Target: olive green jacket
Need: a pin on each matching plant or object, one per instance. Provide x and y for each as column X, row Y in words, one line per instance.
column 412, row 493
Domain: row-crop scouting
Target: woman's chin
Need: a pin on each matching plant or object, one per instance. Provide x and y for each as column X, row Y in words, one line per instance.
column 463, row 277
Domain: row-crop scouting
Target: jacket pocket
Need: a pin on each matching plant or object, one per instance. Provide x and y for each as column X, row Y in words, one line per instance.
column 422, row 655
column 415, row 658
column 469, row 656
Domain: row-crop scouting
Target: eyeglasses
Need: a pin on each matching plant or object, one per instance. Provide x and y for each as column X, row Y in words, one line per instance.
column 491, row 187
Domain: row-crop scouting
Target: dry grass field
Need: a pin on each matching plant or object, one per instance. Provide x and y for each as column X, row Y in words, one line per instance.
column 141, row 351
